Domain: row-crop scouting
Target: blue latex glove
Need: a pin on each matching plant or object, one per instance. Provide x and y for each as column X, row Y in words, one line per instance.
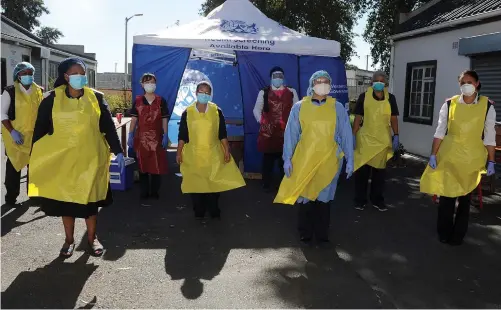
column 121, row 162
column 288, row 168
column 165, row 141
column 130, row 141
column 396, row 143
column 490, row 168
column 354, row 142
column 17, row 136
column 349, row 168
column 433, row 162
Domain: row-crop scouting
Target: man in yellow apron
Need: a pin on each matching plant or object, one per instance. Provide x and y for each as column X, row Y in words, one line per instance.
column 374, row 144
column 20, row 104
column 317, row 136
column 203, row 153
column 464, row 141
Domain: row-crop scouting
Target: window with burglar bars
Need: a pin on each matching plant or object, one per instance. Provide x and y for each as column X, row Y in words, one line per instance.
column 420, row 92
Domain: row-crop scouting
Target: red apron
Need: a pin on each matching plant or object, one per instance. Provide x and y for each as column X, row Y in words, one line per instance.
column 151, row 157
column 273, row 122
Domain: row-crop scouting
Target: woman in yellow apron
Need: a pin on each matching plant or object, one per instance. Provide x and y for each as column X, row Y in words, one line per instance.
column 20, row 104
column 465, row 140
column 203, row 153
column 70, row 158
column 317, row 137
column 374, row 144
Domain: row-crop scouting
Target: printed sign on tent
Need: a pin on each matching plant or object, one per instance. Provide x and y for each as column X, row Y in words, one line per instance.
column 187, row 90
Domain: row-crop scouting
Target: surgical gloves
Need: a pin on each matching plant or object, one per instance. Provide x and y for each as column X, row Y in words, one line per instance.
column 288, row 168
column 396, row 143
column 490, row 168
column 349, row 168
column 17, row 137
column 165, row 141
column 121, row 161
column 433, row 162
column 130, row 141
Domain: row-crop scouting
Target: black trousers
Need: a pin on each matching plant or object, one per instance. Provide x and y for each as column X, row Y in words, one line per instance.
column 452, row 229
column 378, row 178
column 269, row 160
column 150, row 183
column 12, row 183
column 314, row 220
column 203, row 202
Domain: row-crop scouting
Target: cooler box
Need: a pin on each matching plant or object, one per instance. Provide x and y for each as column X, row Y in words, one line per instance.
column 122, row 181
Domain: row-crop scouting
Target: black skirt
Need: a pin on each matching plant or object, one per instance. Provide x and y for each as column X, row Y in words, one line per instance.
column 58, row 208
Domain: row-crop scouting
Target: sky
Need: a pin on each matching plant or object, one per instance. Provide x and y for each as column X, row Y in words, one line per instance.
column 101, row 29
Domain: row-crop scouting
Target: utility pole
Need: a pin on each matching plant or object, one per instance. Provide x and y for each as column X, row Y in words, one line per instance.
column 126, row 64
column 367, row 63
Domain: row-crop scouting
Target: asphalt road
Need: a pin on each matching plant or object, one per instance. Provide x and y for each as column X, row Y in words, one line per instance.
column 158, row 256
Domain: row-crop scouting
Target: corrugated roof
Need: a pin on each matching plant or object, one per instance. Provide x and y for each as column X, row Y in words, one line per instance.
column 11, row 29
column 448, row 10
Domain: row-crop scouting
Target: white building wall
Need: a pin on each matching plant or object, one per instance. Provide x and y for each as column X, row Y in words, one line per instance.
column 13, row 55
column 417, row 138
column 54, row 56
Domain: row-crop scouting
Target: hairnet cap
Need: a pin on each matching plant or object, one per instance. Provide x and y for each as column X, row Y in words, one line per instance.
column 64, row 66
column 317, row 75
column 147, row 74
column 276, row 69
column 20, row 67
column 208, row 83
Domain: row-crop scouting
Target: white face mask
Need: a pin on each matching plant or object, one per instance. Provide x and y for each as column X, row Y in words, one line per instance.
column 322, row 89
column 150, row 88
column 467, row 89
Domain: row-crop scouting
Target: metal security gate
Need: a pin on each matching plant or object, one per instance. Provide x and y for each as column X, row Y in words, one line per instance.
column 488, row 67
column 37, row 63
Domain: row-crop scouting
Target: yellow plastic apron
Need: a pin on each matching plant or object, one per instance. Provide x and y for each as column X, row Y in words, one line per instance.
column 462, row 155
column 72, row 164
column 374, row 146
column 203, row 167
column 26, row 115
column 314, row 163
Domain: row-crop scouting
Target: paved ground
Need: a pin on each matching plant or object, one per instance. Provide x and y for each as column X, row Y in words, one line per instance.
column 159, row 257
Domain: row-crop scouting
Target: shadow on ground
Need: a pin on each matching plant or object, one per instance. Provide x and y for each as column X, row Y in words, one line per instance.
column 54, row 286
column 378, row 260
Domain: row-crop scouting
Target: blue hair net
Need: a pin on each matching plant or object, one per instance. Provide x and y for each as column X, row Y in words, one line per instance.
column 315, row 76
column 20, row 67
column 64, row 66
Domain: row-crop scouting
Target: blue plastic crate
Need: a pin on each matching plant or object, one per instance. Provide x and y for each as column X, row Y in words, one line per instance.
column 122, row 181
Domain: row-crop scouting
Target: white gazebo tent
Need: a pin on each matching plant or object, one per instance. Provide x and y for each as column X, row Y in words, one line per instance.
column 237, row 33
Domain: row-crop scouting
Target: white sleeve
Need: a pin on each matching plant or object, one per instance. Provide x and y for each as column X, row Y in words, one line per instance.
column 490, row 127
column 258, row 108
column 5, row 105
column 46, row 94
column 295, row 97
column 442, row 122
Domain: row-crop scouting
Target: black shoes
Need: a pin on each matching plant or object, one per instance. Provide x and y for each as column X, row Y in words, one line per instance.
column 360, row 207
column 381, row 207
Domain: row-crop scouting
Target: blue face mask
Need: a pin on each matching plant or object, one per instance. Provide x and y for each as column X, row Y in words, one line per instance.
column 277, row 83
column 27, row 80
column 203, row 98
column 78, row 81
column 378, row 86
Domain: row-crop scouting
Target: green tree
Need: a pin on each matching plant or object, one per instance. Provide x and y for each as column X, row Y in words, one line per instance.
column 24, row 12
column 327, row 19
column 382, row 21
column 49, row 35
